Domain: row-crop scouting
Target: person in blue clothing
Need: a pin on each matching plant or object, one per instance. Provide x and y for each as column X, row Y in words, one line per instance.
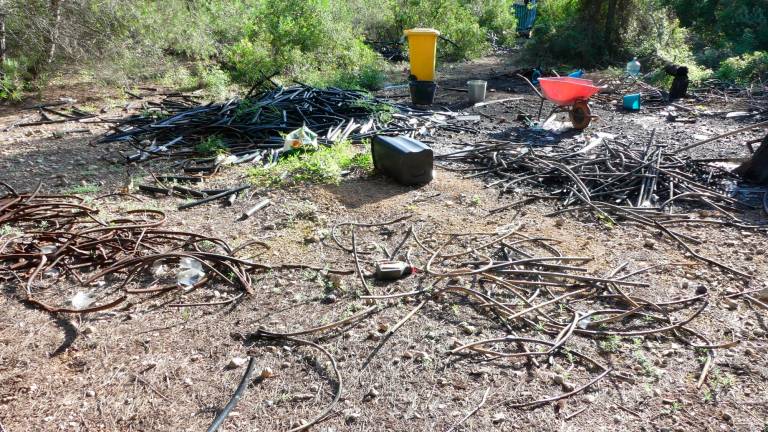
column 525, row 11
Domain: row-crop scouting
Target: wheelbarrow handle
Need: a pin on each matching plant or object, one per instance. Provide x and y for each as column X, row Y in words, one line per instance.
column 532, row 86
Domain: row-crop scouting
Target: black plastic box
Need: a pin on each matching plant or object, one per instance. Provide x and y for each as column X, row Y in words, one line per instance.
column 406, row 160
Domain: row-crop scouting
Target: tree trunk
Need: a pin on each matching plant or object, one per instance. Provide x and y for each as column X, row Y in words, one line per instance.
column 55, row 21
column 610, row 30
column 2, row 38
column 4, row 9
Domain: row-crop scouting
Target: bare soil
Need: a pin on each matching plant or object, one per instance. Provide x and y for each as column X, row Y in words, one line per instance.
column 146, row 367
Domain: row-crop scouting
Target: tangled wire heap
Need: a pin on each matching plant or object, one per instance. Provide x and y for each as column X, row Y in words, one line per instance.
column 252, row 129
column 544, row 304
column 648, row 186
column 540, row 305
column 47, row 239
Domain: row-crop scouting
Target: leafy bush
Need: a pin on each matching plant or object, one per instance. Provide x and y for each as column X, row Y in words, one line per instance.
column 586, row 33
column 311, row 40
column 497, row 18
column 324, row 166
column 11, row 82
column 745, row 68
column 211, row 146
column 451, row 17
column 736, row 26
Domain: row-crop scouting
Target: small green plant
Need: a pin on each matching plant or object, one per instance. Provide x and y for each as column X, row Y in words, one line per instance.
column 382, row 111
column 674, row 408
column 154, row 114
column 7, row 229
column 610, row 344
column 207, row 245
column 11, row 82
column 719, row 382
column 211, row 146
column 647, row 365
column 455, row 309
column 571, row 359
column 86, row 188
column 323, row 166
column 215, row 80
column 186, row 313
column 605, row 220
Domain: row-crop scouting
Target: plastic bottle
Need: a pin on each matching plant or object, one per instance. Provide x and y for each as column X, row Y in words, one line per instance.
column 633, row 67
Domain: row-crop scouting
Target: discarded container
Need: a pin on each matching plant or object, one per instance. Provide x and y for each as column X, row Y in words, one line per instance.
column 633, row 67
column 422, row 49
column 422, row 92
column 300, row 138
column 576, row 74
column 406, row 160
column 632, row 102
column 191, row 273
column 392, row 270
column 476, row 90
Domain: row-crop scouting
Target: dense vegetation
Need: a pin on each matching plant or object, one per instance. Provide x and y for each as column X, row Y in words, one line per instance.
column 192, row 43
column 728, row 37
column 213, row 43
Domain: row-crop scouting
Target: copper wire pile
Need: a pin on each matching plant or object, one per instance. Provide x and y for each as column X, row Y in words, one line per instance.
column 541, row 307
column 545, row 306
column 48, row 240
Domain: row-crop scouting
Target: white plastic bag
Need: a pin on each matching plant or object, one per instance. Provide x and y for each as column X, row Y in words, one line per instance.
column 300, row 138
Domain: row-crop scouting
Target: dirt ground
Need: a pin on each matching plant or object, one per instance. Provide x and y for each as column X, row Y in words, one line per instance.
column 149, row 367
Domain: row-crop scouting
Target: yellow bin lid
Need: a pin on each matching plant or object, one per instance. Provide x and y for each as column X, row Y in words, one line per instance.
column 422, row 32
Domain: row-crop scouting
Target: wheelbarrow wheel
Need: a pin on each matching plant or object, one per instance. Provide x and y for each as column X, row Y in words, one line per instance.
column 580, row 115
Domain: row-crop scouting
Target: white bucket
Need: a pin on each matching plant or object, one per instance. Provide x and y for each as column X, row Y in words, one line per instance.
column 476, row 90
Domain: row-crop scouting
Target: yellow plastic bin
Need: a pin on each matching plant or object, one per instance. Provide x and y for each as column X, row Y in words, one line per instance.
column 422, row 48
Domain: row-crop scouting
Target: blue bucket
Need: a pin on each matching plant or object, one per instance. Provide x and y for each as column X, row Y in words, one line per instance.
column 632, row 102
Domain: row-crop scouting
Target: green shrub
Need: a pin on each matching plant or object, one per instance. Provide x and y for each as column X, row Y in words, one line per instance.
column 735, row 26
column 308, row 40
column 451, row 17
column 323, row 166
column 584, row 33
column 11, row 82
column 497, row 18
column 745, row 68
column 211, row 146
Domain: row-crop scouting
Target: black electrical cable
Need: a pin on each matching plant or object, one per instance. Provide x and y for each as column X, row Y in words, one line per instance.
column 235, row 397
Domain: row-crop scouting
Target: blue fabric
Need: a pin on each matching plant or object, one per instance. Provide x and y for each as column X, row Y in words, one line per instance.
column 526, row 16
column 535, row 76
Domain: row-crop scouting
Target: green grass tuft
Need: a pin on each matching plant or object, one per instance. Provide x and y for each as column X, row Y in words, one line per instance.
column 211, row 146
column 83, row 189
column 323, row 166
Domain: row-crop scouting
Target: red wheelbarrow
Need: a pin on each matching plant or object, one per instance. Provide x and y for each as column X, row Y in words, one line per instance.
column 570, row 95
